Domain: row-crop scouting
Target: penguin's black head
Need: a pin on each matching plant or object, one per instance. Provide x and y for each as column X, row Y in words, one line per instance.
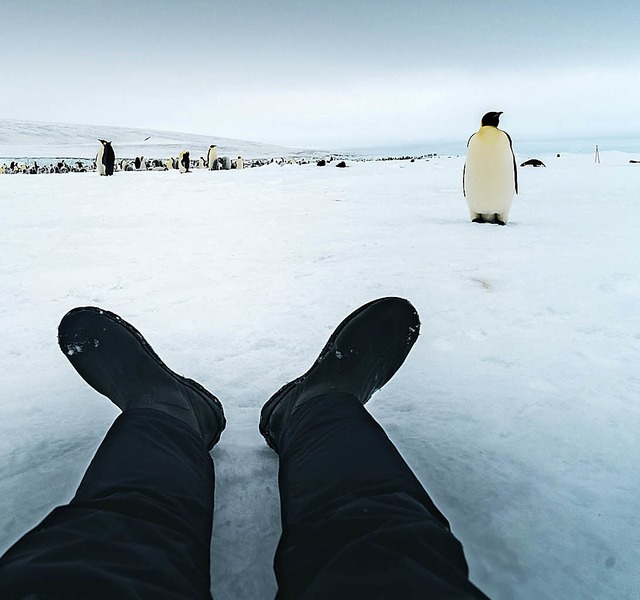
column 491, row 119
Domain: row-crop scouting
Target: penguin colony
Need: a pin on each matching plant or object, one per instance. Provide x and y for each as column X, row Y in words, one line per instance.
column 80, row 166
column 105, row 163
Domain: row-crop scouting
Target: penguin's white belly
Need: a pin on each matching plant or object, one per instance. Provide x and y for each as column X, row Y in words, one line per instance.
column 99, row 164
column 212, row 156
column 489, row 176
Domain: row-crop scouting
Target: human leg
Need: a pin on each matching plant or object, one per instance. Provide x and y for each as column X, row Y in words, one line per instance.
column 139, row 525
column 356, row 521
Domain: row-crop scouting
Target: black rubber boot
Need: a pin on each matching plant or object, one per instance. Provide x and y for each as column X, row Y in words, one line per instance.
column 114, row 359
column 362, row 354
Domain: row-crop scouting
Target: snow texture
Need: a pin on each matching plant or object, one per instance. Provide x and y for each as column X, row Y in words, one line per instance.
column 518, row 408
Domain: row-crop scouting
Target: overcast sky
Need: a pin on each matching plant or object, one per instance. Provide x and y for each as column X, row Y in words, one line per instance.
column 331, row 74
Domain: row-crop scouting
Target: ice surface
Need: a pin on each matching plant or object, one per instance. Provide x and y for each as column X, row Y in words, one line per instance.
column 518, row 408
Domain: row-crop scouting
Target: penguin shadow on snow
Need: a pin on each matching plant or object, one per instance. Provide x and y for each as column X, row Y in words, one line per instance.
column 460, row 222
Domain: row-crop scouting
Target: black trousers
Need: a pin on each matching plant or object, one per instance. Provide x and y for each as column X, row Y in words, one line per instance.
column 356, row 522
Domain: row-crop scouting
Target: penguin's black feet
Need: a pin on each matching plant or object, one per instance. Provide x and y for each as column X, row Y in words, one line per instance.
column 478, row 219
column 362, row 354
column 116, row 361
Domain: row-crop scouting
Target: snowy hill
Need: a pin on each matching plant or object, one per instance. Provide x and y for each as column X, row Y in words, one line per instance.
column 31, row 139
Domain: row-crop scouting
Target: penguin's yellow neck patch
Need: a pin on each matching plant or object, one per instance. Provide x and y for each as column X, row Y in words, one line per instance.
column 488, row 132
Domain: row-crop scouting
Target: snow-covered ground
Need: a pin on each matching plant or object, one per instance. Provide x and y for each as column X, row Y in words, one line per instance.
column 518, row 408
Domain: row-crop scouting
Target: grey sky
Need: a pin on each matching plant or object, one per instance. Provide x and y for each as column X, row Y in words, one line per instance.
column 325, row 73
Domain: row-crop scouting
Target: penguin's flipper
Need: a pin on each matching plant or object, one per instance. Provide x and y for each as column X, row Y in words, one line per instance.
column 464, row 187
column 515, row 166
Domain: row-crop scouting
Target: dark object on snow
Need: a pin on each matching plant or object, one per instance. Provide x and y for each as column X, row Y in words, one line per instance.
column 533, row 162
column 557, row 156
column 322, row 163
column 341, row 164
column 634, row 161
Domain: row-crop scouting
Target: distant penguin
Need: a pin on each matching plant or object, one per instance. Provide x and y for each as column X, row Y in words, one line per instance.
column 533, row 162
column 226, row 163
column 239, row 163
column 201, row 162
column 183, row 161
column 490, row 177
column 106, row 159
column 212, row 158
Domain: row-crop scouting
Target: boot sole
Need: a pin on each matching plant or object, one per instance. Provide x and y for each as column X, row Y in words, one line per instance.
column 271, row 404
column 215, row 404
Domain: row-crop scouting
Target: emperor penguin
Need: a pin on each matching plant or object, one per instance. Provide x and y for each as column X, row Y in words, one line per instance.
column 184, row 161
column 239, row 163
column 105, row 159
column 490, row 178
column 212, row 158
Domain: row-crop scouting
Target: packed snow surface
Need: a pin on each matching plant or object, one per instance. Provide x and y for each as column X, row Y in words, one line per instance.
column 518, row 408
